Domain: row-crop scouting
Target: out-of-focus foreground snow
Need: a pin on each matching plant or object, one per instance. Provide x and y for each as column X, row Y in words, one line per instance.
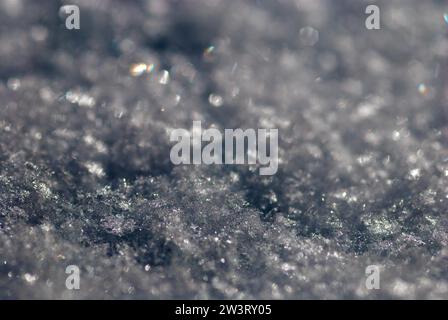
column 86, row 179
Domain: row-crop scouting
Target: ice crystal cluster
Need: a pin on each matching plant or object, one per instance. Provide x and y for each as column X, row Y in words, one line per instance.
column 86, row 178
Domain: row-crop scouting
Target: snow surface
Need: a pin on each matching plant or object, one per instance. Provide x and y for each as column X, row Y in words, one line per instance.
column 86, row 179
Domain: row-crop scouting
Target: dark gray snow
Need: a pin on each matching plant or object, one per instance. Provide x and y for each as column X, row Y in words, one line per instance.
column 86, row 178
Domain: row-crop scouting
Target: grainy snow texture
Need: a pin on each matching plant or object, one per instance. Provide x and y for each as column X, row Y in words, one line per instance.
column 86, row 178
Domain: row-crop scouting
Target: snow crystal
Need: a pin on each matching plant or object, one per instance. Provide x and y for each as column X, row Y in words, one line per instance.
column 86, row 178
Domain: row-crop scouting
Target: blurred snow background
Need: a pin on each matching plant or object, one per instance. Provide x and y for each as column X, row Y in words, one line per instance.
column 85, row 176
